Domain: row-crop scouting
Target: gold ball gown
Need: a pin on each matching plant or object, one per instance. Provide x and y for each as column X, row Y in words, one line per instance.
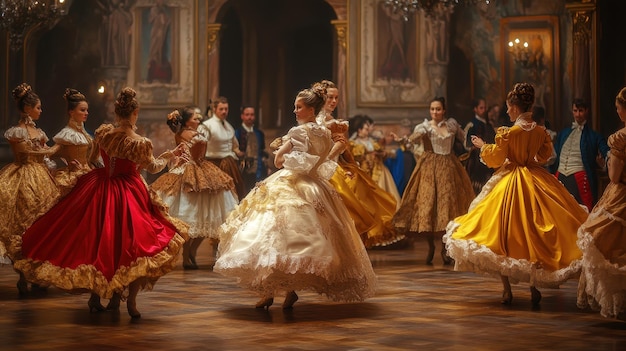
column 523, row 224
column 602, row 239
column 371, row 207
column 293, row 232
column 28, row 189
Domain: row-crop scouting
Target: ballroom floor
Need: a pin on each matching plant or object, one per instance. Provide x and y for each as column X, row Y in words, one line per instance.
column 417, row 307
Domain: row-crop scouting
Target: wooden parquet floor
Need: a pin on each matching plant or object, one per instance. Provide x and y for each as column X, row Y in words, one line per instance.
column 417, row 307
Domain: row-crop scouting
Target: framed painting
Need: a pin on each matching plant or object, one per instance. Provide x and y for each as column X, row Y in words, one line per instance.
column 389, row 58
column 163, row 63
column 530, row 53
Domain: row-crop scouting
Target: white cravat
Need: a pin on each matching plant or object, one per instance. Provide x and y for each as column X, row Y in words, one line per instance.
column 577, row 126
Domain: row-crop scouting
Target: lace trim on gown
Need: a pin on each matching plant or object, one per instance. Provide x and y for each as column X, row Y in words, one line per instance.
column 602, row 284
column 473, row 257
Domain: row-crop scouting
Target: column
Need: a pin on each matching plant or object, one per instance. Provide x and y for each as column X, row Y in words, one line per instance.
column 213, row 60
column 341, row 29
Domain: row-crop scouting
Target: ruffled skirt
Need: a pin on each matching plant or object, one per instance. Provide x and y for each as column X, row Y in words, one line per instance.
column 66, row 178
column 200, row 195
column 105, row 234
column 293, row 232
column 602, row 239
column 522, row 225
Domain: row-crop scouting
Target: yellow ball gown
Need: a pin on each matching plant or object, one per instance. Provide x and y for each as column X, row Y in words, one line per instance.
column 371, row 207
column 523, row 224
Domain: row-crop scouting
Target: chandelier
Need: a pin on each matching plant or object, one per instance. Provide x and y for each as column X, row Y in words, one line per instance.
column 17, row 17
column 408, row 7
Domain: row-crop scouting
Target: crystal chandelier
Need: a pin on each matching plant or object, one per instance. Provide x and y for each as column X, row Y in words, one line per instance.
column 17, row 17
column 408, row 7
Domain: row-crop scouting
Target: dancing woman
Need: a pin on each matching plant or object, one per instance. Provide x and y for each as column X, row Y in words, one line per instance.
column 28, row 189
column 292, row 232
column 74, row 142
column 522, row 226
column 602, row 238
column 196, row 191
column 121, row 239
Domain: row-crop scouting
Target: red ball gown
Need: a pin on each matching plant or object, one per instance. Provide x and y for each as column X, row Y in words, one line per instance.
column 110, row 230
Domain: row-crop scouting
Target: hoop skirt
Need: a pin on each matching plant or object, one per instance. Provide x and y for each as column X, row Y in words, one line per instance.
column 109, row 230
column 602, row 239
column 293, row 232
column 523, row 223
column 198, row 192
column 28, row 189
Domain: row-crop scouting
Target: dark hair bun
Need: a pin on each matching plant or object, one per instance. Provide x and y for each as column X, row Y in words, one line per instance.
column 126, row 103
column 522, row 96
column 73, row 94
column 525, row 92
column 319, row 90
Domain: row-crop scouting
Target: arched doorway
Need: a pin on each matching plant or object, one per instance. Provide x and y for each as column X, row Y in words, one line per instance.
column 269, row 50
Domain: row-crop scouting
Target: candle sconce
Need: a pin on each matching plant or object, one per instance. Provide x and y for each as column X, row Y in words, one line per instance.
column 520, row 52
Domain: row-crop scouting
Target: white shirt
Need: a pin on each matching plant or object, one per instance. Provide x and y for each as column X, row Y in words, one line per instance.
column 221, row 138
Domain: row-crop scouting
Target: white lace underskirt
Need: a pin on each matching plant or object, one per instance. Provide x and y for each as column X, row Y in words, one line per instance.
column 473, row 257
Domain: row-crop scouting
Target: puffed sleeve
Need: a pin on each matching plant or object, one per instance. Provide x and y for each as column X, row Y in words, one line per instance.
column 338, row 129
column 494, row 154
column 69, row 136
column 455, row 127
column 94, row 156
column 140, row 151
column 298, row 159
column 418, row 132
column 617, row 143
column 546, row 152
column 16, row 134
column 204, row 130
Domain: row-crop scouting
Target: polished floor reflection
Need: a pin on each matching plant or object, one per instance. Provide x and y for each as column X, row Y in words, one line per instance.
column 417, row 307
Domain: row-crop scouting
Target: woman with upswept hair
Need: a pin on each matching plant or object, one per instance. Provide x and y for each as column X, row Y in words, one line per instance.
column 28, row 188
column 110, row 235
column 292, row 232
column 522, row 226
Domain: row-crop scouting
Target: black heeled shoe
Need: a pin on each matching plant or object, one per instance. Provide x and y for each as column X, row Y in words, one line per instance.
column 114, row 303
column 290, row 299
column 22, row 287
column 132, row 310
column 94, row 304
column 189, row 267
column 507, row 297
column 192, row 259
column 535, row 296
column 265, row 302
column 430, row 256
